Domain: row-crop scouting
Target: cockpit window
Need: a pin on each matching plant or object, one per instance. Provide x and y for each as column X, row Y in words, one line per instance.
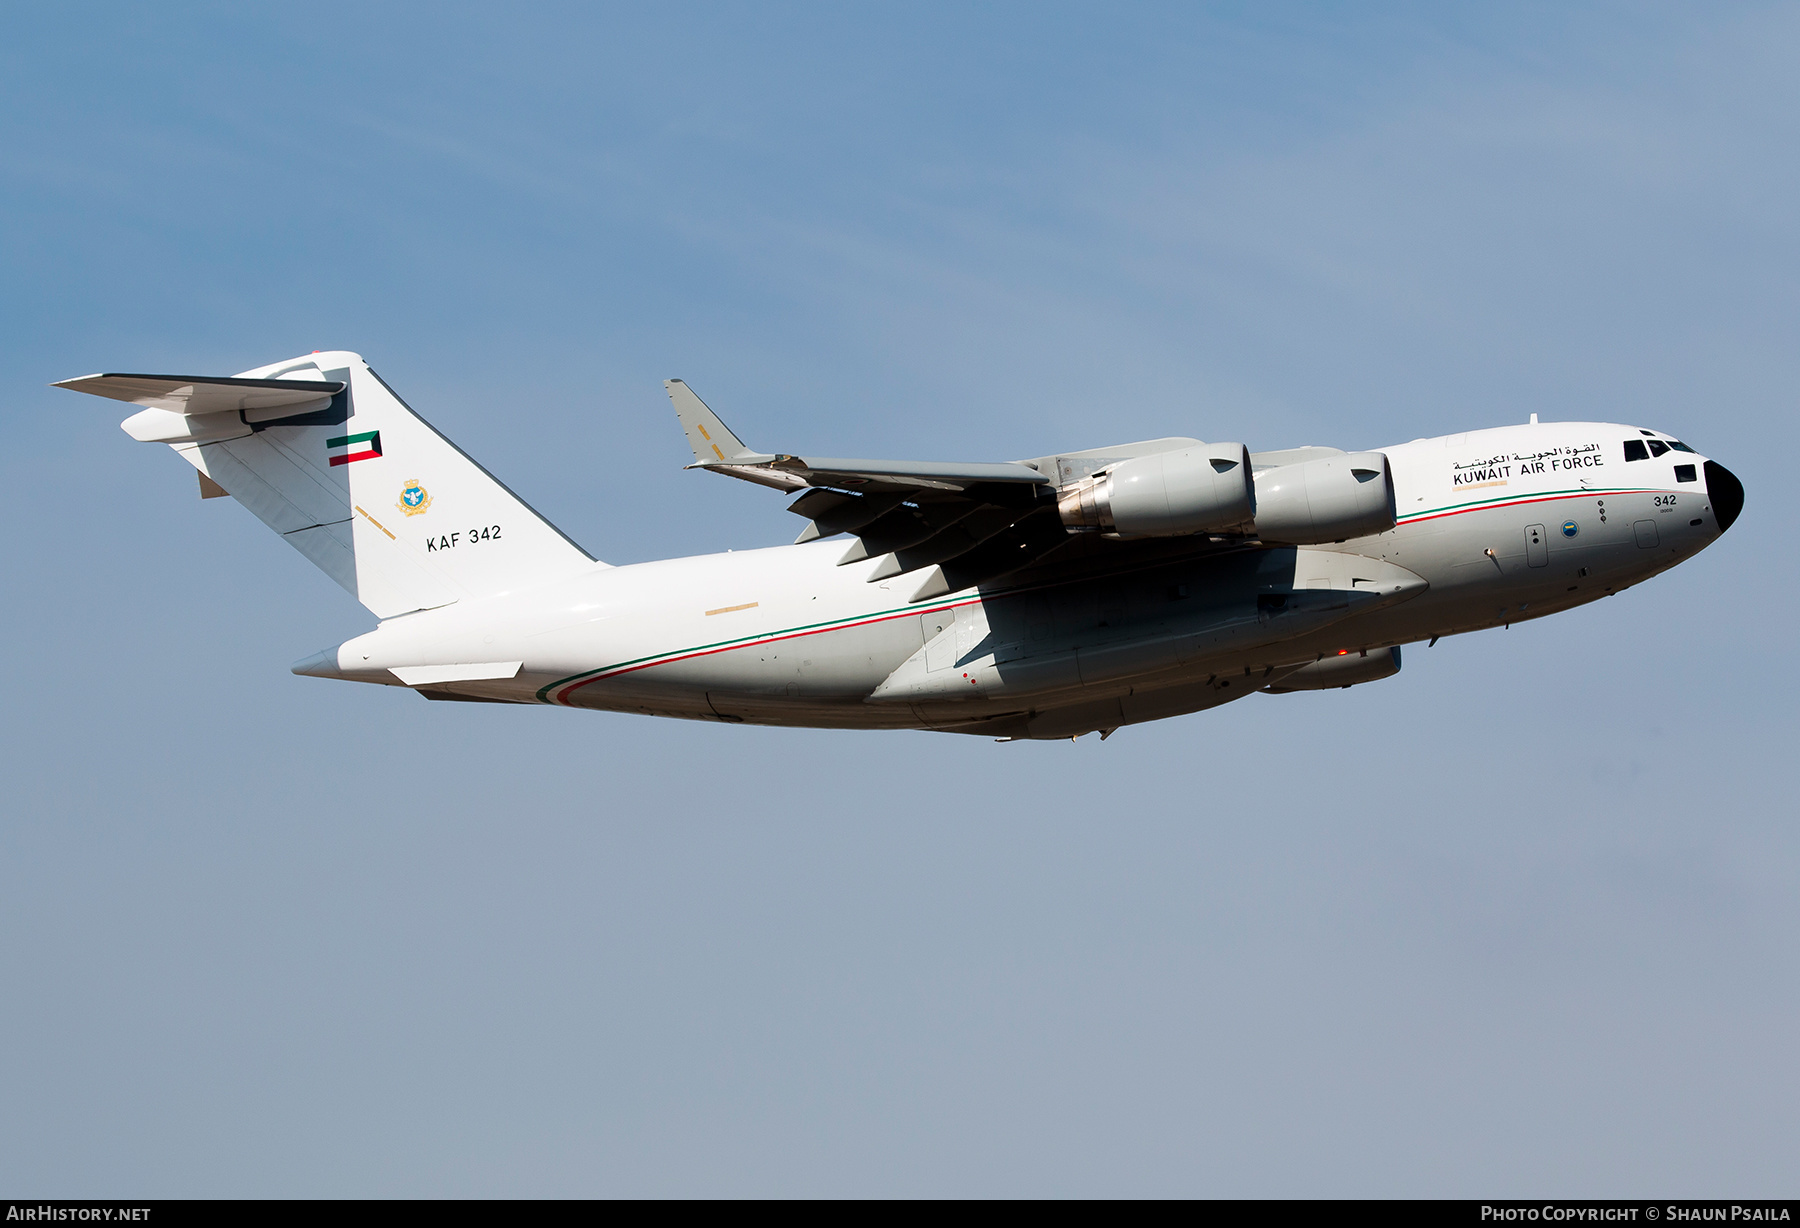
column 1679, row 446
column 1635, row 450
column 1657, row 446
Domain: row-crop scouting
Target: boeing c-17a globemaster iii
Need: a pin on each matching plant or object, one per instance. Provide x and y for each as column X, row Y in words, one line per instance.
column 1040, row 598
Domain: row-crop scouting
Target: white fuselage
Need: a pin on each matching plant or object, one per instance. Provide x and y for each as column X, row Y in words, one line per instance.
column 1493, row 527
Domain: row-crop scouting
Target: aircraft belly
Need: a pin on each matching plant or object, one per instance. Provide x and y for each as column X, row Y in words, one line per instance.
column 1135, row 708
column 1086, row 713
column 801, row 713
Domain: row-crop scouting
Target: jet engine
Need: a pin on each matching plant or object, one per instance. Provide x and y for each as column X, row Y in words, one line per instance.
column 1346, row 669
column 1203, row 489
column 1328, row 500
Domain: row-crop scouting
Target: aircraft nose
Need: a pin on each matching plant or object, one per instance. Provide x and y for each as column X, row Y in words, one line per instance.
column 1726, row 493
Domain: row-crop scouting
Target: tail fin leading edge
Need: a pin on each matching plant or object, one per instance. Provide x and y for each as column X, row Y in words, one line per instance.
column 321, row 450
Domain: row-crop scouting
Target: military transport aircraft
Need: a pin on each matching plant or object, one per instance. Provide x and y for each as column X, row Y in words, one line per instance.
column 1040, row 598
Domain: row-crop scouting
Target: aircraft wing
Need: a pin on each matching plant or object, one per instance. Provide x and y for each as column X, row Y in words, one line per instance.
column 957, row 524
column 717, row 448
column 878, row 475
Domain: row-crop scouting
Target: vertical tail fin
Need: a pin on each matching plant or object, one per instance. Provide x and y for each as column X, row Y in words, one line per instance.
column 325, row 453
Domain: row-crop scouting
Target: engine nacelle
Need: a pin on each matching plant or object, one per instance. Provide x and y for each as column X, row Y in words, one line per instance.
column 1345, row 670
column 1203, row 489
column 1328, row 500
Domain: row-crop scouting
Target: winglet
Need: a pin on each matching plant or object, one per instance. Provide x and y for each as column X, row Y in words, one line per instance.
column 712, row 440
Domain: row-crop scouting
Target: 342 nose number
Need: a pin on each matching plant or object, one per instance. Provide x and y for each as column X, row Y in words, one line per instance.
column 1665, row 500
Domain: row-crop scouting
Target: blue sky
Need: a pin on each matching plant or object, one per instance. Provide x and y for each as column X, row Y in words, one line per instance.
column 1518, row 921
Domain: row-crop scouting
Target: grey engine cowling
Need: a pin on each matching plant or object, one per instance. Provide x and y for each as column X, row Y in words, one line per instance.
column 1202, row 489
column 1209, row 488
column 1328, row 500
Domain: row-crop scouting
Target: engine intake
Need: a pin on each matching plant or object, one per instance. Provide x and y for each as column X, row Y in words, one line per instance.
column 1328, row 500
column 1204, row 489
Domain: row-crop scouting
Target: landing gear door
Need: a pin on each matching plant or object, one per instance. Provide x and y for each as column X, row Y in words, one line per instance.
column 1537, row 546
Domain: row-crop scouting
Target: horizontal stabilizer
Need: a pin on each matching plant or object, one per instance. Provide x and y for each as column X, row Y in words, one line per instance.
column 204, row 394
column 424, row 675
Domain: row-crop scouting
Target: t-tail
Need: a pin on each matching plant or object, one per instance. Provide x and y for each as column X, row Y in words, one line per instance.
column 321, row 450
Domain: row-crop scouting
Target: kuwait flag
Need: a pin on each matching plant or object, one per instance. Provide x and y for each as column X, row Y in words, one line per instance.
column 347, row 448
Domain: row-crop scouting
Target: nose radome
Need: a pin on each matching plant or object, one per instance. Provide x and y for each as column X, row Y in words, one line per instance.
column 1726, row 493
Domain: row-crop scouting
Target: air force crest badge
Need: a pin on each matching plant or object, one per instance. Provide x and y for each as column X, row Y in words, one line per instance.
column 413, row 498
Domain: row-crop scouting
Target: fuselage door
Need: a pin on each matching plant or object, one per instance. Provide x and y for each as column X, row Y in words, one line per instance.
column 1537, row 546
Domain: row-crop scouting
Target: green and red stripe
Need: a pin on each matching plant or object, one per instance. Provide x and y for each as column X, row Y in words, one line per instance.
column 1499, row 501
